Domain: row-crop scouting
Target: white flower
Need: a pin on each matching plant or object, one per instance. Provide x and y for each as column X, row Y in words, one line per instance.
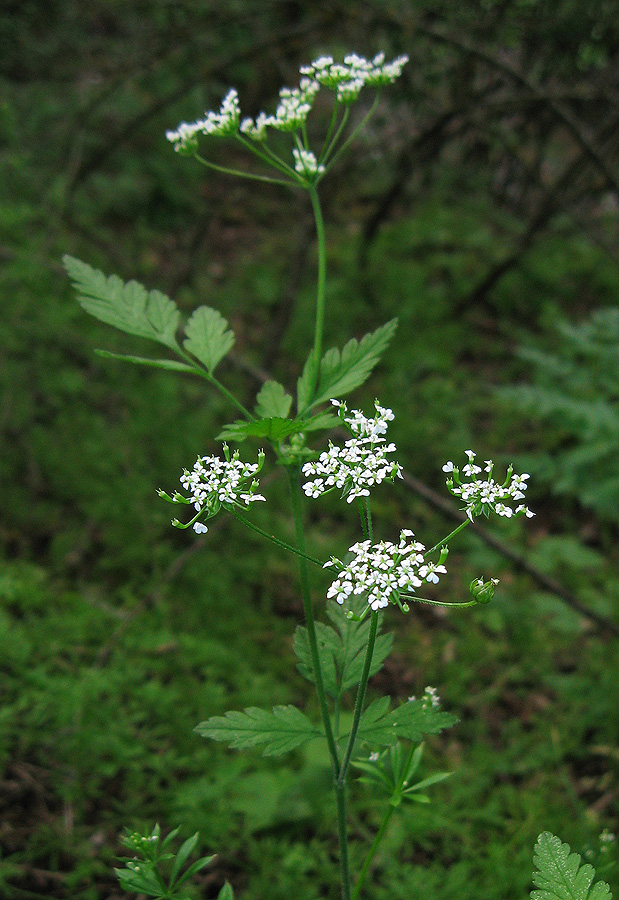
column 482, row 496
column 430, row 699
column 383, row 571
column 221, row 124
column 361, row 463
column 305, row 162
column 349, row 77
column 214, row 482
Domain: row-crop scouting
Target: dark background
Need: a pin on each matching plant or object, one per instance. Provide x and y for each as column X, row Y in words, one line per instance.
column 480, row 207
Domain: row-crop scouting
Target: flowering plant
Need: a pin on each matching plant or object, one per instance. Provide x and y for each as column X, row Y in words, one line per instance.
column 384, row 744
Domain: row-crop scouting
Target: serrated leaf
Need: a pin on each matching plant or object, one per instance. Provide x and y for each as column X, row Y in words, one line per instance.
column 272, row 400
column 170, row 364
column 274, row 429
column 207, row 337
column 127, row 306
column 341, row 651
column 378, row 725
column 341, row 373
column 280, row 730
column 560, row 876
column 305, row 384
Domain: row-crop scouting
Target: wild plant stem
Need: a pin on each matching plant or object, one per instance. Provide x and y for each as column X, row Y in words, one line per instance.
column 320, row 286
column 275, row 540
column 381, row 831
column 451, row 534
column 297, row 511
column 360, row 696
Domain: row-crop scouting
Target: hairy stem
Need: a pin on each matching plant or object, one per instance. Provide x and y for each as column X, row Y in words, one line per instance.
column 360, row 697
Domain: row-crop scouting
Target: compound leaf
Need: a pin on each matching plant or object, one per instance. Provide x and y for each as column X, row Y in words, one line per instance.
column 272, row 400
column 341, row 373
column 341, row 651
column 207, row 337
column 560, row 876
column 170, row 364
column 412, row 720
column 127, row 306
column 280, row 730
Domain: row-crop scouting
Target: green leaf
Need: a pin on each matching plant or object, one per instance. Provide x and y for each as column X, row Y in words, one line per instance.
column 129, row 307
column 560, row 876
column 182, row 856
column 341, row 651
column 143, row 882
column 207, row 338
column 378, row 725
column 341, row 373
column 274, row 429
column 226, row 893
column 273, row 400
column 305, row 383
column 172, row 364
column 281, row 730
column 193, row 868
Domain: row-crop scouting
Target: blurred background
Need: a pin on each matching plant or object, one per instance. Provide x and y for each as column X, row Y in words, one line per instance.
column 480, row 206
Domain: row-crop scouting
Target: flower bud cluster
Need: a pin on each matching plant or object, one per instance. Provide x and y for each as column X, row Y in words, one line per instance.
column 483, row 496
column 215, row 482
column 221, row 124
column 348, row 78
column 384, row 571
column 295, row 104
column 362, row 461
column 429, row 699
column 305, row 163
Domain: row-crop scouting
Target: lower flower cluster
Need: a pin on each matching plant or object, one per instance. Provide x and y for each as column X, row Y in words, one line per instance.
column 384, row 571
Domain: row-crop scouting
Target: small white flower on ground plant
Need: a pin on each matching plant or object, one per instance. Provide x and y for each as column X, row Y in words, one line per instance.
column 485, row 495
column 384, row 571
column 214, row 483
column 221, row 124
column 361, row 463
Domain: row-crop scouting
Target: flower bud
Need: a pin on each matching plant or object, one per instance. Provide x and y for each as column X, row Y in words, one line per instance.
column 483, row 591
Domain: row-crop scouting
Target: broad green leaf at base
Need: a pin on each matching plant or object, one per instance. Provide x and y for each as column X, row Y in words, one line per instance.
column 560, row 875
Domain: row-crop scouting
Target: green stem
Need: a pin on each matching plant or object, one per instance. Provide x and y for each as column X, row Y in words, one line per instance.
column 275, row 540
column 354, row 133
column 340, row 793
column 370, row 855
column 381, row 831
column 320, row 289
column 336, row 136
column 269, row 157
column 360, row 697
column 217, row 384
column 327, row 141
column 297, row 511
column 238, row 172
column 453, row 533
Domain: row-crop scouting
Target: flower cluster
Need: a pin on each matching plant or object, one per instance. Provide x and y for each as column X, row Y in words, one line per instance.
column 216, row 482
column 347, row 78
column 305, row 163
column 430, row 698
column 221, row 124
column 483, row 496
column 295, row 104
column 384, row 571
column 362, row 461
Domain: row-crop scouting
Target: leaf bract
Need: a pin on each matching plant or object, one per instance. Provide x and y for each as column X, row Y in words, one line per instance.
column 279, row 731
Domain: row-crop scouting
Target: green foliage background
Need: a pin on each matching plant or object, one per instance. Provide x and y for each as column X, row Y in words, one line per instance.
column 481, row 209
